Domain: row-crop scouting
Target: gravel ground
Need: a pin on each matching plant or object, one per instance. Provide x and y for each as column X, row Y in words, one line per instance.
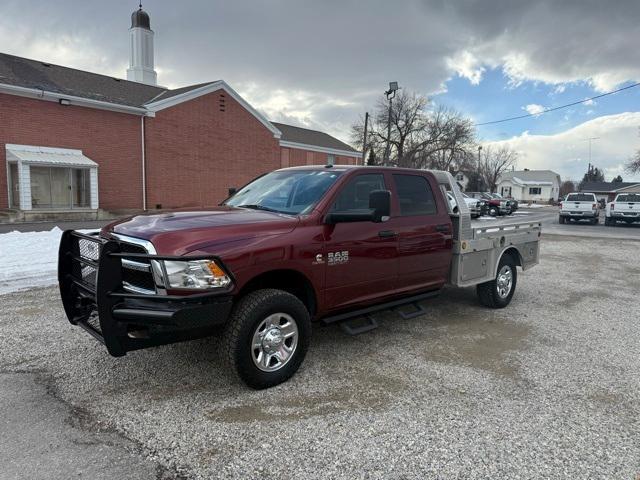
column 546, row 388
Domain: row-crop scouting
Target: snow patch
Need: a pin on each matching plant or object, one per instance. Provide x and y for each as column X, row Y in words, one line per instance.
column 29, row 259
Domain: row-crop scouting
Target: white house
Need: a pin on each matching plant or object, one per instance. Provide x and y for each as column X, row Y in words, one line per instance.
column 462, row 179
column 530, row 185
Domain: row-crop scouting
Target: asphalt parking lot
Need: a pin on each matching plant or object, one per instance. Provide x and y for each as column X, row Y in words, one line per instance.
column 546, row 388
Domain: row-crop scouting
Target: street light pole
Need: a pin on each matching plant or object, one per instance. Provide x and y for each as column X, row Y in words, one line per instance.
column 479, row 168
column 391, row 93
column 364, row 140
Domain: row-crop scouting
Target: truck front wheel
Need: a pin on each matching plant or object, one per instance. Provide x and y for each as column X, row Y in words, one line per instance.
column 498, row 292
column 267, row 337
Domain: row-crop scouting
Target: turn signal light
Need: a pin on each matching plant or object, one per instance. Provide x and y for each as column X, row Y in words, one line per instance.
column 215, row 270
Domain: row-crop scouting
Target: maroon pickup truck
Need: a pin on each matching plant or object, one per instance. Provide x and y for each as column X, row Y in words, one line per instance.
column 310, row 243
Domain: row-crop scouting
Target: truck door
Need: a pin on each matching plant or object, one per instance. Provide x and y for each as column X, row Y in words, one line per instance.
column 359, row 257
column 424, row 233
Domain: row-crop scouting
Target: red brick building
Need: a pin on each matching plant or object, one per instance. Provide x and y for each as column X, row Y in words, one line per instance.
column 78, row 141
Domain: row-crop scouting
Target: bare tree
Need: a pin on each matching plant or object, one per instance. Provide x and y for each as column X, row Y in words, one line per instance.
column 493, row 162
column 448, row 142
column 568, row 186
column 633, row 166
column 420, row 138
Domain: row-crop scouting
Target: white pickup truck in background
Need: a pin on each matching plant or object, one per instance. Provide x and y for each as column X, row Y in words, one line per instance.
column 625, row 208
column 579, row 206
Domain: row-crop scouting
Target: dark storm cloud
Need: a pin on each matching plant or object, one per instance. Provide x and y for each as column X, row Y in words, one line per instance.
column 323, row 62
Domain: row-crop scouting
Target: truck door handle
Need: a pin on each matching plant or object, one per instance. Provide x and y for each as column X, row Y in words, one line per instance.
column 387, row 233
column 442, row 228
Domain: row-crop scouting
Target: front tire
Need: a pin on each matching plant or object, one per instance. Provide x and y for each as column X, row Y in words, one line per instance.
column 267, row 337
column 498, row 292
column 493, row 211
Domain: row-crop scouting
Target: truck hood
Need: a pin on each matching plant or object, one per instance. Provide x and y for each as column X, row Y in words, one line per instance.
column 177, row 233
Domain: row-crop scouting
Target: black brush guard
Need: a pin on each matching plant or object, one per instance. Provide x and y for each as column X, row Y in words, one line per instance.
column 90, row 279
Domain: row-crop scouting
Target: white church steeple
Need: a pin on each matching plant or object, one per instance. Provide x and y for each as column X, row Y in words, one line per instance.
column 141, row 49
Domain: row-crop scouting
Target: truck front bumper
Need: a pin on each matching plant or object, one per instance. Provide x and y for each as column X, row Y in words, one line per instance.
column 91, row 287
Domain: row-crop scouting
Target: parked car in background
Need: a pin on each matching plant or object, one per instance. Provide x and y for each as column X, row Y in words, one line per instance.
column 512, row 202
column 496, row 206
column 625, row 208
column 483, row 205
column 579, row 206
column 474, row 204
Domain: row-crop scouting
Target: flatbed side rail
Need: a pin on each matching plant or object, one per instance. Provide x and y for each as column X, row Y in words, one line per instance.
column 493, row 231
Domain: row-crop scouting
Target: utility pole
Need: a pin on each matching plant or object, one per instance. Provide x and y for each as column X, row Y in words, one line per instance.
column 590, row 140
column 364, row 140
column 391, row 93
column 479, row 168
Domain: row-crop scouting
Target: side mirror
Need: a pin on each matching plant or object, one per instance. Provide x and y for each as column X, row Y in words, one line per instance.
column 380, row 203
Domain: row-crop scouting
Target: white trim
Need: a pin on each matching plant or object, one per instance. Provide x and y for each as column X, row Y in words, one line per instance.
column 77, row 101
column 316, row 148
column 9, row 192
column 210, row 88
column 144, row 167
column 57, row 156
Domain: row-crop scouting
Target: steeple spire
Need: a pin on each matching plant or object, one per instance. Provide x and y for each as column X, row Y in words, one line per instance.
column 141, row 68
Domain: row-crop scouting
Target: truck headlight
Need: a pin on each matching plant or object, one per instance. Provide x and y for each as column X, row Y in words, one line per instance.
column 195, row 274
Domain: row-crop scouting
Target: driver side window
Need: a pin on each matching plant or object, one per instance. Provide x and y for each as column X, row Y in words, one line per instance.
column 355, row 194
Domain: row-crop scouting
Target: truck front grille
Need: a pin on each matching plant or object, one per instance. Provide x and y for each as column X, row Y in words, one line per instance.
column 137, row 276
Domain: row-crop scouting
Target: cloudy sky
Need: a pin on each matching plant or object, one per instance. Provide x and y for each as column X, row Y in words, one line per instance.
column 321, row 64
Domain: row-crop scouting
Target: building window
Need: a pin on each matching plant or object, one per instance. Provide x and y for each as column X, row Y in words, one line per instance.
column 535, row 190
column 53, row 187
column 460, row 177
column 331, row 159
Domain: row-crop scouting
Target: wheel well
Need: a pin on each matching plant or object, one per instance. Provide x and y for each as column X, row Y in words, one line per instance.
column 514, row 254
column 290, row 281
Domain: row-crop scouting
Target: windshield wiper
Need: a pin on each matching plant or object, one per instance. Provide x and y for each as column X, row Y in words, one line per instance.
column 256, row 206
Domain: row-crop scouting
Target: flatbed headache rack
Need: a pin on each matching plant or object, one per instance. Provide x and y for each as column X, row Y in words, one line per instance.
column 93, row 296
column 477, row 250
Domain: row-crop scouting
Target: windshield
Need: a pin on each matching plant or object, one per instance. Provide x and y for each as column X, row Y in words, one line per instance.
column 629, row 197
column 580, row 197
column 285, row 191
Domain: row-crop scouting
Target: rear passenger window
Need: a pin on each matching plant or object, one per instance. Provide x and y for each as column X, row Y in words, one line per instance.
column 355, row 194
column 415, row 195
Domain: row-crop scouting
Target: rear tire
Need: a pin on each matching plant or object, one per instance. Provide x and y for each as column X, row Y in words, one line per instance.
column 267, row 337
column 498, row 292
column 561, row 220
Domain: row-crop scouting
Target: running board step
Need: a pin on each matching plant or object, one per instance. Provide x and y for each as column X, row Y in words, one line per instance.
column 354, row 327
column 419, row 310
column 381, row 306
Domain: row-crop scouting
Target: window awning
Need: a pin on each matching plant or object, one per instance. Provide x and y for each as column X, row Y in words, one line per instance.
column 62, row 157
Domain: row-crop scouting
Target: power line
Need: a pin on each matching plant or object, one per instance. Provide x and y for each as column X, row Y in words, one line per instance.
column 547, row 110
